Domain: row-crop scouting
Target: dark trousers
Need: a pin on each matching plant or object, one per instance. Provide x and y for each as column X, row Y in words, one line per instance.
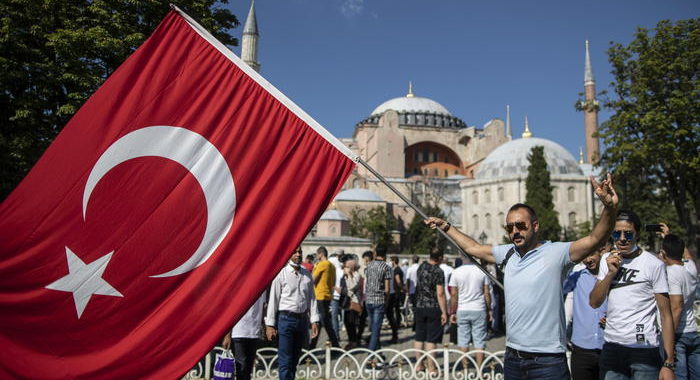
column 362, row 322
column 351, row 320
column 292, row 333
column 620, row 362
column 324, row 311
column 393, row 313
column 519, row 367
column 244, row 353
column 585, row 364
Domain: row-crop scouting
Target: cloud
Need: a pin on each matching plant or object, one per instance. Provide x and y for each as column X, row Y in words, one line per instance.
column 351, row 8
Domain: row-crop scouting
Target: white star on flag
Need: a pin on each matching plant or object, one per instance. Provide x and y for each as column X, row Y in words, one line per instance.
column 84, row 280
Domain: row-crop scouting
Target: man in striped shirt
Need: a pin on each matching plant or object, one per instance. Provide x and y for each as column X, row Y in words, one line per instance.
column 377, row 277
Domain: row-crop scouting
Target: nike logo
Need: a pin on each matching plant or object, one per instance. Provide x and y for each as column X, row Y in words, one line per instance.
column 621, row 284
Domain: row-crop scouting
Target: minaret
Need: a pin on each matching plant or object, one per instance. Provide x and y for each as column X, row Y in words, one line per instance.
column 249, row 46
column 509, row 132
column 590, row 112
column 527, row 134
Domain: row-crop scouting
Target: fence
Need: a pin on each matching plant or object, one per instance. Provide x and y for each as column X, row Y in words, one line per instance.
column 361, row 363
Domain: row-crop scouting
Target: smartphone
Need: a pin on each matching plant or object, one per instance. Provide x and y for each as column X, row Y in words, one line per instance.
column 652, row 228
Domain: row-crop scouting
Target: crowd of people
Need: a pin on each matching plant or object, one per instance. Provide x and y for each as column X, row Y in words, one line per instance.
column 631, row 314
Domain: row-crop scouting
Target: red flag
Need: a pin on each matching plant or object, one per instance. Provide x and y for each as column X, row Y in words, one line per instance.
column 158, row 215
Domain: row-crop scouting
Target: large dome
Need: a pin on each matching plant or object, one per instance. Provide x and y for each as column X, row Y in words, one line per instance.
column 510, row 159
column 411, row 104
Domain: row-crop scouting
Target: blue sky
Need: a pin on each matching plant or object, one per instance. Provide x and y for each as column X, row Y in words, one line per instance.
column 339, row 59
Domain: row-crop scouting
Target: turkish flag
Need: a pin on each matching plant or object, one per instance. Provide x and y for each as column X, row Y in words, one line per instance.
column 158, row 215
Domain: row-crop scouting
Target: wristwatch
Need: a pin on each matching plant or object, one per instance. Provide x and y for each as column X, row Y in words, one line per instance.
column 670, row 365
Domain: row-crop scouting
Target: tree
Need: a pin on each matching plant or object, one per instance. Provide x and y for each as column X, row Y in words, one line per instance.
column 420, row 239
column 374, row 224
column 55, row 54
column 653, row 136
column 539, row 195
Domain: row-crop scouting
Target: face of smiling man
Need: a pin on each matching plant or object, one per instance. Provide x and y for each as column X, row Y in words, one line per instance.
column 522, row 229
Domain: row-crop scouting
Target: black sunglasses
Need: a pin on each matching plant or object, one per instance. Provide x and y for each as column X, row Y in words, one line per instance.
column 521, row 226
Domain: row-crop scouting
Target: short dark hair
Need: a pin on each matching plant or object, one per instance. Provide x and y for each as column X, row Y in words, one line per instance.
column 416, row 259
column 380, row 251
column 436, row 254
column 323, row 250
column 530, row 210
column 368, row 254
column 310, row 257
column 673, row 247
column 629, row 216
column 395, row 259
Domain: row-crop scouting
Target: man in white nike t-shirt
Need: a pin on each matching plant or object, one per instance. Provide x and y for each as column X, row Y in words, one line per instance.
column 681, row 290
column 634, row 282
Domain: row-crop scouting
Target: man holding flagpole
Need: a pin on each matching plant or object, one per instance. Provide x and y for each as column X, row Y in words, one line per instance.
column 534, row 271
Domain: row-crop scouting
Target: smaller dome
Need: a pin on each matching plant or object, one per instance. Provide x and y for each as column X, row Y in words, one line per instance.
column 411, row 104
column 510, row 159
column 333, row 215
column 358, row 195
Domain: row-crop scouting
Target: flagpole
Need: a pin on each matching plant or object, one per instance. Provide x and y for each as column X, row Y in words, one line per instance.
column 424, row 216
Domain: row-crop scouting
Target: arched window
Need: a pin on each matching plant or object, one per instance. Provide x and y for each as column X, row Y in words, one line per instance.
column 333, row 229
column 487, row 196
column 475, row 197
column 475, row 222
column 555, row 194
column 501, row 195
column 572, row 219
column 571, row 194
column 488, row 221
column 435, row 172
column 501, row 218
column 447, row 174
column 355, row 183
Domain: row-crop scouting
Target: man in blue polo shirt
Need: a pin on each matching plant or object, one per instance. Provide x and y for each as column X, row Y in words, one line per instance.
column 534, row 272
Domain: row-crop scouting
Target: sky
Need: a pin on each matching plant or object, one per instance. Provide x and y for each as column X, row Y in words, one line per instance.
column 340, row 59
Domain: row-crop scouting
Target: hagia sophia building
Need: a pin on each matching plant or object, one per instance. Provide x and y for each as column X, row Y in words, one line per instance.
column 435, row 158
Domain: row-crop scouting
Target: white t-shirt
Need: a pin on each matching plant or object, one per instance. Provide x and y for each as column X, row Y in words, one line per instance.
column 412, row 277
column 470, row 281
column 338, row 275
column 631, row 318
column 689, row 265
column 250, row 325
column 681, row 282
column 447, row 270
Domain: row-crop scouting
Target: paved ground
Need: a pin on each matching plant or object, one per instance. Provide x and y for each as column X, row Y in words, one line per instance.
column 406, row 339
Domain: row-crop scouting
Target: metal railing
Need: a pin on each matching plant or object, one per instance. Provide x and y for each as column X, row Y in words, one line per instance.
column 361, row 363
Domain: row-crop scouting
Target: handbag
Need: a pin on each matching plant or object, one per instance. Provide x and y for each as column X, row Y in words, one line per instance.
column 355, row 306
column 224, row 366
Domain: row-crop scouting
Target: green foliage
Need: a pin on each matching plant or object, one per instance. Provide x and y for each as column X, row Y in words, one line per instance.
column 375, row 224
column 539, row 195
column 653, row 136
column 420, row 239
column 578, row 231
column 55, row 54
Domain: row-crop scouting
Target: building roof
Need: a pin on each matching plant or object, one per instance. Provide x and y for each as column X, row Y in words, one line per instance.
column 510, row 159
column 333, row 215
column 358, row 195
column 411, row 104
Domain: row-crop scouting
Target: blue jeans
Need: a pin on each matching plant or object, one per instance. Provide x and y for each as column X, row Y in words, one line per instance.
column 292, row 333
column 618, row 362
column 535, row 368
column 688, row 356
column 335, row 317
column 376, row 317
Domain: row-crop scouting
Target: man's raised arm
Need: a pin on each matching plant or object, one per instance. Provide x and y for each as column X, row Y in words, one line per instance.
column 468, row 244
column 589, row 244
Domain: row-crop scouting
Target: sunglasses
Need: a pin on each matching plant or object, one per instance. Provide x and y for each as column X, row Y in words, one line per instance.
column 629, row 235
column 521, row 226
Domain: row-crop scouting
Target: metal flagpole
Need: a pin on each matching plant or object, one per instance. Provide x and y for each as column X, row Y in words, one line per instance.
column 424, row 216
